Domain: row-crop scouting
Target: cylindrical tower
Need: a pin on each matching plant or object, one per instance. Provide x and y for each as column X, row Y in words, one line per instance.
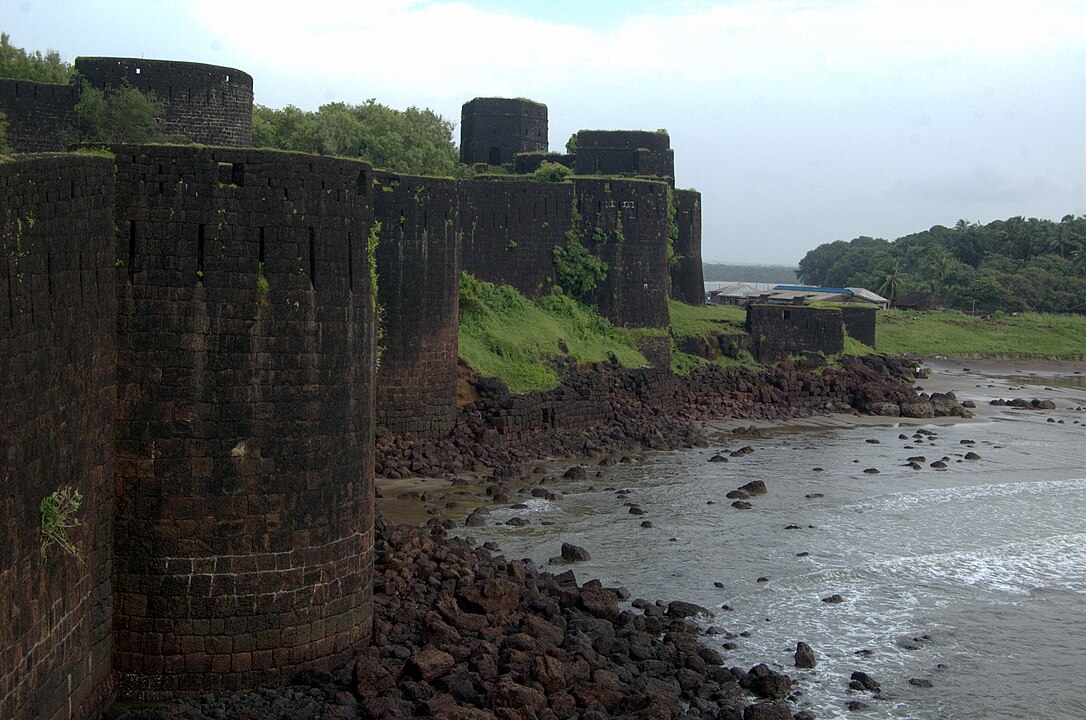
column 208, row 104
column 493, row 130
column 244, row 482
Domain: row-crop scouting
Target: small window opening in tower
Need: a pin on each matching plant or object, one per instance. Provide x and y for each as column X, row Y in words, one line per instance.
column 137, row 71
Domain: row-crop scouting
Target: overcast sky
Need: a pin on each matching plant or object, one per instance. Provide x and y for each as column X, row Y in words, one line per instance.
column 800, row 122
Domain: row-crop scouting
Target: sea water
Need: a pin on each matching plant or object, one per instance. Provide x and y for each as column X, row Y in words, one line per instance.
column 972, row 578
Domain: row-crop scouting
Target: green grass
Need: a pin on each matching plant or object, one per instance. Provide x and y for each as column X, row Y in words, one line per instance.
column 703, row 320
column 505, row 335
column 954, row 334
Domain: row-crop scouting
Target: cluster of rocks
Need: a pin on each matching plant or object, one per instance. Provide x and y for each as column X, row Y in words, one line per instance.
column 1033, row 404
column 604, row 409
column 463, row 635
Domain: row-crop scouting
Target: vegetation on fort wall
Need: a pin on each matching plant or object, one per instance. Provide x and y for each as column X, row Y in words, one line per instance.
column 507, row 336
column 577, row 271
column 411, row 141
column 955, row 334
column 123, row 115
column 1016, row 264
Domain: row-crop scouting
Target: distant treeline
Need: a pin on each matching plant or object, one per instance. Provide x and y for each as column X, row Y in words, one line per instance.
column 1016, row 264
column 723, row 272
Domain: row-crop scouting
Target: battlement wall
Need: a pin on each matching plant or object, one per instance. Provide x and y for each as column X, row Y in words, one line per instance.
column 58, row 312
column 687, row 279
column 244, row 516
column 418, row 291
column 38, row 114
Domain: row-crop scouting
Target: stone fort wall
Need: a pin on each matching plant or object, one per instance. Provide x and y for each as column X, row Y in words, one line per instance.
column 243, row 521
column 687, row 280
column 777, row 331
column 206, row 103
column 187, row 338
column 57, row 398
column 418, row 291
column 38, row 114
column 510, row 230
column 859, row 323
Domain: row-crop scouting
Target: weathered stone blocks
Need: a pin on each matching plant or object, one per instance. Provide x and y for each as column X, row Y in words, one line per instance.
column 244, row 430
column 57, row 385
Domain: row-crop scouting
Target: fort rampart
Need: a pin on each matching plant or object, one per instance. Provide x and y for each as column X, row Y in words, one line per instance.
column 57, row 398
column 188, row 342
column 205, row 103
column 687, row 280
column 418, row 275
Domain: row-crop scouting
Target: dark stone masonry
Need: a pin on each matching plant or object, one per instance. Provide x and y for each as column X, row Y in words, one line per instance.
column 38, row 114
column 204, row 103
column 58, row 328
column 494, row 130
column 418, row 274
column 777, row 331
column 189, row 338
column 243, row 518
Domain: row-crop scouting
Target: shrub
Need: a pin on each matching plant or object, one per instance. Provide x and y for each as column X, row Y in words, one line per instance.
column 58, row 511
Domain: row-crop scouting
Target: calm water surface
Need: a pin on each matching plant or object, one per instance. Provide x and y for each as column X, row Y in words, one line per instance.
column 973, row 577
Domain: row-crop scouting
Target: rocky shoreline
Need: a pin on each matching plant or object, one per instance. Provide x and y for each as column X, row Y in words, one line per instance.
column 465, row 635
column 604, row 409
column 462, row 634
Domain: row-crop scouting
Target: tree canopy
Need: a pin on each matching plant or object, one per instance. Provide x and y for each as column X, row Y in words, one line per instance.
column 18, row 64
column 410, row 141
column 1014, row 264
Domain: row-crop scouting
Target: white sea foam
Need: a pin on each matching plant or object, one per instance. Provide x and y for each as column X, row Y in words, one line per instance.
column 897, row 502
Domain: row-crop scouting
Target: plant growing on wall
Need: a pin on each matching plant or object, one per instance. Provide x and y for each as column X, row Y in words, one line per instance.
column 673, row 257
column 262, row 286
column 58, row 516
column 578, row 271
column 551, row 172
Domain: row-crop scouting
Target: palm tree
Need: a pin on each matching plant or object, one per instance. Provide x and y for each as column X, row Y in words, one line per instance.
column 891, row 280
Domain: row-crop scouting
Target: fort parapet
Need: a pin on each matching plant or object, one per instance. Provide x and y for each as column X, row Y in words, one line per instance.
column 207, row 104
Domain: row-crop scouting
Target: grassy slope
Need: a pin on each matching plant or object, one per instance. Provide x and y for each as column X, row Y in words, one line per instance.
column 505, row 335
column 951, row 334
